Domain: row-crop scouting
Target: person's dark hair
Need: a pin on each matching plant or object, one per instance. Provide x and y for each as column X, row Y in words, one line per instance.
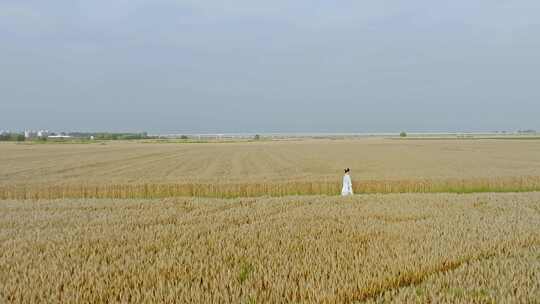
column 347, row 170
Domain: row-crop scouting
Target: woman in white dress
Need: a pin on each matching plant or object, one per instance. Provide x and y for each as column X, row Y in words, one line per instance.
column 347, row 184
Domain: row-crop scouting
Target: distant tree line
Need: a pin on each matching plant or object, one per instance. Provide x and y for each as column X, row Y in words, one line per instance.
column 529, row 131
column 110, row 136
column 78, row 135
column 12, row 137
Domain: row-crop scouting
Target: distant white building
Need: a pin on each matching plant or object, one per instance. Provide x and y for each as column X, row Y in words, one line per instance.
column 59, row 136
column 29, row 134
column 43, row 133
column 3, row 132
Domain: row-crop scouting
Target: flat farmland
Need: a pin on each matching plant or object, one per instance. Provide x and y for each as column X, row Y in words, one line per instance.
column 136, row 222
column 370, row 159
column 273, row 168
column 392, row 248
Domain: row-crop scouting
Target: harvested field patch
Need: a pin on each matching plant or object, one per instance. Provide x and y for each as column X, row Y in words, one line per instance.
column 312, row 167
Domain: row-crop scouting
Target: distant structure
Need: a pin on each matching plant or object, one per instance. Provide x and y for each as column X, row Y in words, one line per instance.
column 29, row 134
column 43, row 133
column 4, row 132
column 60, row 136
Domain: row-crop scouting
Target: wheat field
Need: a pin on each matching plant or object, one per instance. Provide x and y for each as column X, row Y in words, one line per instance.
column 262, row 222
column 151, row 170
column 396, row 248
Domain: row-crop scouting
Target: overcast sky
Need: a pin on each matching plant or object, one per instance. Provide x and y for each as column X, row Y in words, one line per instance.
column 270, row 66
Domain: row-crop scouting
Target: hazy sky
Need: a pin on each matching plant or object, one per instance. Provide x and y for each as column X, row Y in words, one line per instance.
column 274, row 66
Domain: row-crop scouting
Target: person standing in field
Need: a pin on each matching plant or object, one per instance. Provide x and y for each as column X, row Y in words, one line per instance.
column 347, row 184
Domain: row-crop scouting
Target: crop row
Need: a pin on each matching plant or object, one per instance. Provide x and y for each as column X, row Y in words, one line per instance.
column 232, row 190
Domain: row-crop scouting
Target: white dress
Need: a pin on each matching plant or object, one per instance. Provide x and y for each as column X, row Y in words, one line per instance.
column 347, row 186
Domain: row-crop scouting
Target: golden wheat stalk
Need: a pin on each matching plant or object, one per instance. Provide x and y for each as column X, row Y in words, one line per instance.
column 224, row 190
